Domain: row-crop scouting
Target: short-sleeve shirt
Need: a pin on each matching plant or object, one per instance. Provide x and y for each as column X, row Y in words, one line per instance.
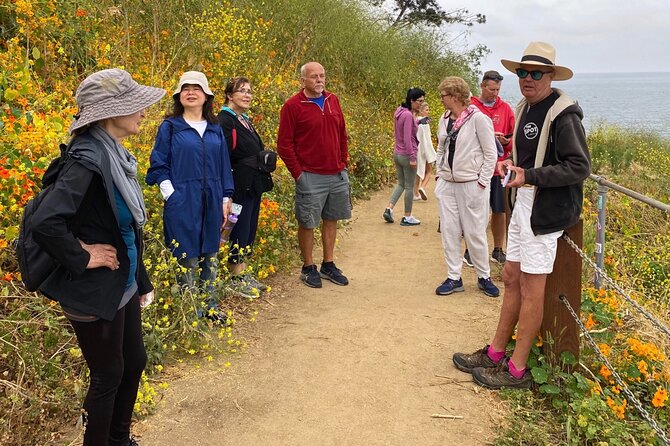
column 528, row 131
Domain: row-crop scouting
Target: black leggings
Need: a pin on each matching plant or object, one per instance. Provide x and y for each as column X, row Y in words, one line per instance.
column 115, row 354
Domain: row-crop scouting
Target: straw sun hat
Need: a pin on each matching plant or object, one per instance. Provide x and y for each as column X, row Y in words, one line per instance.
column 539, row 54
column 110, row 93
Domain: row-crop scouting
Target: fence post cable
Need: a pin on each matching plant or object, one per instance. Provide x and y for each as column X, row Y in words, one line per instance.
column 658, row 324
column 624, row 388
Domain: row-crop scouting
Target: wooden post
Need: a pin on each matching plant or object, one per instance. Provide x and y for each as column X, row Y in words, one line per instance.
column 557, row 322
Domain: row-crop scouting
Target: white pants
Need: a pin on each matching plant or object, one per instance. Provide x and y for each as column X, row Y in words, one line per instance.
column 464, row 209
column 535, row 253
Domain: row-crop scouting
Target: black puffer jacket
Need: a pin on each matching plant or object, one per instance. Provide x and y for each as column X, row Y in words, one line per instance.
column 82, row 206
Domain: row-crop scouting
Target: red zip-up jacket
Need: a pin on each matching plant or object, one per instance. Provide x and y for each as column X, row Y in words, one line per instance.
column 311, row 139
column 503, row 121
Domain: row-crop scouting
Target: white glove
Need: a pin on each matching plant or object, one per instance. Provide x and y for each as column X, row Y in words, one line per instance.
column 166, row 189
column 146, row 299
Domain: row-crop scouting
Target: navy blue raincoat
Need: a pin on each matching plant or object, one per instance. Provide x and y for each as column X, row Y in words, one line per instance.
column 200, row 172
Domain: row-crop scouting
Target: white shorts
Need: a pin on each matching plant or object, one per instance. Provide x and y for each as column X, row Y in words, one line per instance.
column 535, row 253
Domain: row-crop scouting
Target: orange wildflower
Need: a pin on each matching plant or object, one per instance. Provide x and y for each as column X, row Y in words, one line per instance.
column 590, row 322
column 605, row 372
column 660, row 397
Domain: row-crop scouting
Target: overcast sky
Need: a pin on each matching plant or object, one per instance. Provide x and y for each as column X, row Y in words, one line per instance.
column 590, row 36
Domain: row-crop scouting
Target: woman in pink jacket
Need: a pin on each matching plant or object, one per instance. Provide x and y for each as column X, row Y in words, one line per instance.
column 404, row 155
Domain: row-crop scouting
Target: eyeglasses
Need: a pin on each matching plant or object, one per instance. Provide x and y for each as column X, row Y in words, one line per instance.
column 492, row 77
column 245, row 91
column 444, row 95
column 536, row 75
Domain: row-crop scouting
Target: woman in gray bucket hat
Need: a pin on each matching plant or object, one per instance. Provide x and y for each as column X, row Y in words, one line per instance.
column 91, row 224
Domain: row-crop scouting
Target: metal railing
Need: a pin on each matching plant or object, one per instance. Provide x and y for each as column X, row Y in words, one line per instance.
column 661, row 434
column 604, row 186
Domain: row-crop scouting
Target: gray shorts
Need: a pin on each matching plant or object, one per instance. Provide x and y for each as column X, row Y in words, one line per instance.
column 326, row 197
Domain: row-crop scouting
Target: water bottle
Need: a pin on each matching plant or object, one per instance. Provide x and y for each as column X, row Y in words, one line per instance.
column 227, row 228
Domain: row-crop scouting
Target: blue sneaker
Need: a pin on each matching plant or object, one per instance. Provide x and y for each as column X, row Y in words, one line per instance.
column 449, row 286
column 488, row 287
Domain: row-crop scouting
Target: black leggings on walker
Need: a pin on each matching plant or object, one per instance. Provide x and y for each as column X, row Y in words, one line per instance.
column 115, row 354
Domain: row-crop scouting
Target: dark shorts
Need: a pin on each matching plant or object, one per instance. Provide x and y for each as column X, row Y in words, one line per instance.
column 320, row 197
column 497, row 199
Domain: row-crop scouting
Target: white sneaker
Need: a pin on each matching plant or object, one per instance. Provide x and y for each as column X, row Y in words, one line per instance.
column 417, row 198
column 409, row 221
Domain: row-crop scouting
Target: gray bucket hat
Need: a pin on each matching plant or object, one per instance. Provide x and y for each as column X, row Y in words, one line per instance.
column 110, row 93
column 193, row 78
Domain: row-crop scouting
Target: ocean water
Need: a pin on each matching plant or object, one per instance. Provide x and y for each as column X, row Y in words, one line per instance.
column 629, row 100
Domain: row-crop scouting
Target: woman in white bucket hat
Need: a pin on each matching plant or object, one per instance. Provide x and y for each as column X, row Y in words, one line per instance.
column 190, row 163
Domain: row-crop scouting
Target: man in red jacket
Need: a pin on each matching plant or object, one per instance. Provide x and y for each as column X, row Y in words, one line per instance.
column 503, row 125
column 312, row 142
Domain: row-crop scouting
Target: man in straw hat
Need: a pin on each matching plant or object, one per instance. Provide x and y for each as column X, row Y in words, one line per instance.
column 549, row 163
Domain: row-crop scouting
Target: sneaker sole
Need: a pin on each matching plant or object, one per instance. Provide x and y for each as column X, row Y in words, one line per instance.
column 455, row 290
column 324, row 276
column 244, row 295
column 423, row 195
column 479, row 382
column 494, row 260
column 303, row 280
column 402, row 223
column 388, row 220
column 470, row 264
column 487, row 293
column 239, row 293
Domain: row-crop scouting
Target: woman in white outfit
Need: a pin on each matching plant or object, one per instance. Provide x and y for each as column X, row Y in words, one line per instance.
column 425, row 156
column 466, row 157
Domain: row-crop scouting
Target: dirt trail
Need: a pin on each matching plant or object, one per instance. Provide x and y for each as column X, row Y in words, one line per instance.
column 366, row 364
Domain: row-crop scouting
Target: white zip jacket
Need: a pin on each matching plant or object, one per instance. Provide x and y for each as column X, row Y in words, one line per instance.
column 476, row 153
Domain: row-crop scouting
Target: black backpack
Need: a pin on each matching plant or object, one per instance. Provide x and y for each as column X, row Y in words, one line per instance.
column 35, row 264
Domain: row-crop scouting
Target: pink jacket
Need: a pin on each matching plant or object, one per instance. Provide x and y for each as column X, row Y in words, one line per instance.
column 406, row 127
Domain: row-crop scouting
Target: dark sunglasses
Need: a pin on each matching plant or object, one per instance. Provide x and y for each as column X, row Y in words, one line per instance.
column 493, row 77
column 536, row 75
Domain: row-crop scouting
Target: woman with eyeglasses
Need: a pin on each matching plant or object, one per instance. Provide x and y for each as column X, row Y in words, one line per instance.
column 190, row 164
column 466, row 157
column 404, row 155
column 244, row 146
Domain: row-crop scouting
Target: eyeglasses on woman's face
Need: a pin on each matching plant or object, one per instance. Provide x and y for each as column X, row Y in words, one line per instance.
column 536, row 75
column 245, row 91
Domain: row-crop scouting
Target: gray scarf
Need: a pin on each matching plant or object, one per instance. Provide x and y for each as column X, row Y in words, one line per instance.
column 124, row 173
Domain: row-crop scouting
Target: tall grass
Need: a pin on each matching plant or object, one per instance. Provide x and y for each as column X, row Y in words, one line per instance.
column 47, row 48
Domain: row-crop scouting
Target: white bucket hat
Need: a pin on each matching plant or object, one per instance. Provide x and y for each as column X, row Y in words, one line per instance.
column 193, row 78
column 540, row 54
column 110, row 93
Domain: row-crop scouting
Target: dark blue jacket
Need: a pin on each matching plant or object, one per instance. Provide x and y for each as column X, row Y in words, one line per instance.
column 199, row 169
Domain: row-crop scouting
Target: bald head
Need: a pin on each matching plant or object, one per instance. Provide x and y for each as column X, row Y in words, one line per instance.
column 313, row 79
